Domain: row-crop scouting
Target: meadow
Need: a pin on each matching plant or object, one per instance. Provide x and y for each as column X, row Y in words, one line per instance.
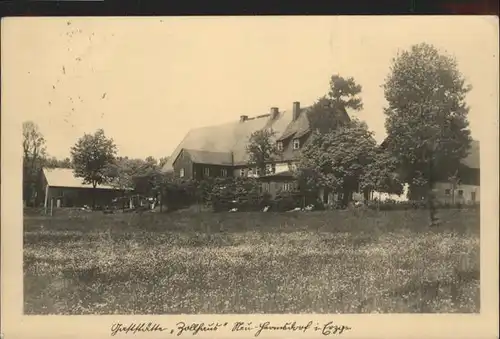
column 355, row 261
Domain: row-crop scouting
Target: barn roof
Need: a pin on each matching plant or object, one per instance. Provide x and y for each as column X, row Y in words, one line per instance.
column 64, row 177
column 210, row 158
column 229, row 137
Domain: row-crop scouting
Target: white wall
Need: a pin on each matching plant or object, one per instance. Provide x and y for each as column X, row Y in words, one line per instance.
column 381, row 196
column 466, row 190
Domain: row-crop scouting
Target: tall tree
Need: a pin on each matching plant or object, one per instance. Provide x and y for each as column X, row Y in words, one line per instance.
column 34, row 152
column 92, row 156
column 337, row 160
column 344, row 92
column 330, row 111
column 426, row 123
column 262, row 149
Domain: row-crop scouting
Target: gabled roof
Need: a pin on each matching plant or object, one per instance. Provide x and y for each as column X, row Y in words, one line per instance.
column 297, row 128
column 64, row 177
column 210, row 158
column 229, row 137
column 471, row 160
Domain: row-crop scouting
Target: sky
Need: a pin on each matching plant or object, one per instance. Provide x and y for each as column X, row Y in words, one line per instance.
column 147, row 81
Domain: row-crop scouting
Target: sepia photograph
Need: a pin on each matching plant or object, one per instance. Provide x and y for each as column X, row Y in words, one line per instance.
column 250, row 165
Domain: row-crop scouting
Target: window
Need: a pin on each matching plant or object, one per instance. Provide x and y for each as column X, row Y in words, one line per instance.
column 280, row 145
column 287, row 187
column 242, row 172
column 181, row 173
column 447, row 191
column 223, row 172
column 271, row 168
column 460, row 193
column 206, row 171
column 265, row 187
column 296, row 143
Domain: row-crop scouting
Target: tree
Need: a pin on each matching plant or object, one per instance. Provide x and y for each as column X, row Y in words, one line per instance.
column 262, row 149
column 381, row 174
column 92, row 156
column 330, row 111
column 426, row 120
column 344, row 93
column 53, row 162
column 337, row 160
column 34, row 151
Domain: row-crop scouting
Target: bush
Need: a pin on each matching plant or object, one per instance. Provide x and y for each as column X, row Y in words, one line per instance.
column 244, row 194
column 391, row 205
column 177, row 195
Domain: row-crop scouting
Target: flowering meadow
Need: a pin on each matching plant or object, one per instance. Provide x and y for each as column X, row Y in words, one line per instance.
column 354, row 261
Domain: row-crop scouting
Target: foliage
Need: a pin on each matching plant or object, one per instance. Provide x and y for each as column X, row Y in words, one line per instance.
column 242, row 193
column 330, row 111
column 34, row 152
column 344, row 92
column 391, row 205
column 220, row 263
column 261, row 149
column 338, row 160
column 426, row 121
column 137, row 174
column 92, row 156
column 53, row 162
column 324, row 117
column 381, row 174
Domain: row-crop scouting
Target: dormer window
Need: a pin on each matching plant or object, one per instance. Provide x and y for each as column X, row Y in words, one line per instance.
column 296, row 143
column 280, row 145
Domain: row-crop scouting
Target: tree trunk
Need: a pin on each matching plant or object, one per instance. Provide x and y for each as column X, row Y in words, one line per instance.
column 94, row 184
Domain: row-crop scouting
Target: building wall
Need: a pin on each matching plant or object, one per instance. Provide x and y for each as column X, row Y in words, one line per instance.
column 183, row 162
column 382, row 196
column 78, row 197
column 274, row 186
column 204, row 171
column 464, row 194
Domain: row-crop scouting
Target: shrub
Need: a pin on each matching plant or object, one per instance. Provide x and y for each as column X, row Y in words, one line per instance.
column 391, row 205
column 244, row 194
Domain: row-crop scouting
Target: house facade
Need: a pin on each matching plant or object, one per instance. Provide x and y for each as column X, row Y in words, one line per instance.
column 220, row 151
column 60, row 188
column 466, row 190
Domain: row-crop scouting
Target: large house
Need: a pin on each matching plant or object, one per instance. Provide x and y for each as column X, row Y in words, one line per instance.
column 60, row 188
column 220, row 150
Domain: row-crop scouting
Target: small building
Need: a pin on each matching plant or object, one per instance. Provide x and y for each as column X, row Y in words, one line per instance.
column 466, row 189
column 60, row 186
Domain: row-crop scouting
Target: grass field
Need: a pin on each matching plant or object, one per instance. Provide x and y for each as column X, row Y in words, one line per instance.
column 317, row 262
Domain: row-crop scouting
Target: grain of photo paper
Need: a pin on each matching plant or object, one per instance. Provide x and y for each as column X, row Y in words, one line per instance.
column 242, row 177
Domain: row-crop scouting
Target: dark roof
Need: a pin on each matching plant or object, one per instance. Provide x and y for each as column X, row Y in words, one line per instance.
column 472, row 159
column 210, row 158
column 297, row 128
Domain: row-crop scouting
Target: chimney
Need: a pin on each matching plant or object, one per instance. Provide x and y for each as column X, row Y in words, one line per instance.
column 296, row 110
column 243, row 118
column 274, row 112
